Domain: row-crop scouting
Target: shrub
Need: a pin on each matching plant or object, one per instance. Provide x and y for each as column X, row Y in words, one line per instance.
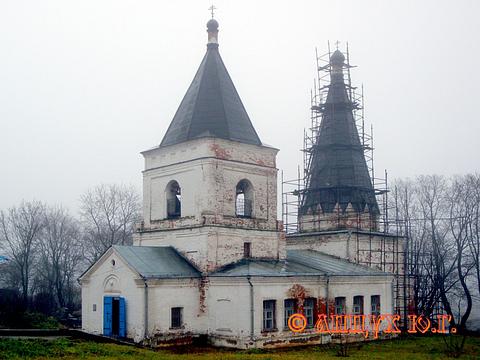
column 36, row 320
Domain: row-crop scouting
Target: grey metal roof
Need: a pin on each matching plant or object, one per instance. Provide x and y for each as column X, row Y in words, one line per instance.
column 298, row 263
column 329, row 264
column 211, row 107
column 338, row 170
column 156, row 261
column 259, row 267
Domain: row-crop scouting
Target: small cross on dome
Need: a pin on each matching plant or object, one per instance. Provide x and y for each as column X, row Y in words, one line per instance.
column 212, row 10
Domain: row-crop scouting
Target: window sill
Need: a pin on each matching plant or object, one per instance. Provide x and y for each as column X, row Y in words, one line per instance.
column 177, row 327
column 266, row 331
column 307, row 329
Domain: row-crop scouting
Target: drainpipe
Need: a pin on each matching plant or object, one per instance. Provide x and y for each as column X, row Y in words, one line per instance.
column 348, row 245
column 252, row 311
column 145, row 335
column 327, row 296
column 392, row 295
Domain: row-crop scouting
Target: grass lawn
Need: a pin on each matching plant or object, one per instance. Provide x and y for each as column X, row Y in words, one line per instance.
column 63, row 348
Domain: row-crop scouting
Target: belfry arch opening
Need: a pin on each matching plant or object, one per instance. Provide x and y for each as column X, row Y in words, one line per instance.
column 174, row 200
column 244, row 199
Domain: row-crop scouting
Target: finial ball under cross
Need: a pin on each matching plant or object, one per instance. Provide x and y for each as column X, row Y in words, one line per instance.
column 212, row 10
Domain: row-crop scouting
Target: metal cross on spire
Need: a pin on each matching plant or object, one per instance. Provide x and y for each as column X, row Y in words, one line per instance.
column 212, row 10
column 337, row 43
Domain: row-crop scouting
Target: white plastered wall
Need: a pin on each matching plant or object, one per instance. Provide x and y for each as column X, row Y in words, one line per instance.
column 229, row 302
column 376, row 250
column 210, row 247
column 165, row 294
column 106, row 279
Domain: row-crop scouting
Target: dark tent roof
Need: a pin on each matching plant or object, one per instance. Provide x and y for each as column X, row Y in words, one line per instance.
column 338, row 170
column 211, row 106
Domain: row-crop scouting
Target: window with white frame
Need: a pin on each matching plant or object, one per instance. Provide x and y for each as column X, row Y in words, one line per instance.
column 309, row 311
column 269, row 315
column 289, row 310
column 358, row 305
column 340, row 305
column 375, row 304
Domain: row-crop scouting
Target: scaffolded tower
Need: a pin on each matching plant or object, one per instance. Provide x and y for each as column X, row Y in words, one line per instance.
column 338, row 191
column 337, row 205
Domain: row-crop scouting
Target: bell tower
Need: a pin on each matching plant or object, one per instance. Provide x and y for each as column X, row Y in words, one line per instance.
column 210, row 187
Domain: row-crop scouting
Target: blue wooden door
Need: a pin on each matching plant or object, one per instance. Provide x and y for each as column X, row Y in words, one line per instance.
column 122, row 329
column 107, row 315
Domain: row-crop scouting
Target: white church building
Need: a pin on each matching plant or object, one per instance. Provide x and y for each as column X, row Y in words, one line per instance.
column 210, row 257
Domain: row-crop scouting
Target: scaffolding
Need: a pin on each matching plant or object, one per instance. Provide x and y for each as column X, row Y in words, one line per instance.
column 294, row 189
column 392, row 254
column 318, row 97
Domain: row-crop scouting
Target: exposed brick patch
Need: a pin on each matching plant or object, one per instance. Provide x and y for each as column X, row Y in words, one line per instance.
column 299, row 293
column 202, row 287
column 220, row 152
column 322, row 306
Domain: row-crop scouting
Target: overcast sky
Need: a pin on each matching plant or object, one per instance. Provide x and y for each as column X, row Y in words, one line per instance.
column 86, row 85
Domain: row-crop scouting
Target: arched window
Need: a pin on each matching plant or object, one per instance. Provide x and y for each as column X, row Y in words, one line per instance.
column 174, row 200
column 244, row 199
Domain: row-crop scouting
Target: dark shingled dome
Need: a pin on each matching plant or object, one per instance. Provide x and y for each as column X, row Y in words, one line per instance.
column 211, row 107
column 338, row 170
column 212, row 25
column 337, row 58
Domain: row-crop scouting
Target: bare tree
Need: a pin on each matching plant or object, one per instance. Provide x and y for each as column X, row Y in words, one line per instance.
column 432, row 199
column 60, row 253
column 419, row 264
column 108, row 213
column 440, row 218
column 461, row 211
column 20, row 228
column 473, row 183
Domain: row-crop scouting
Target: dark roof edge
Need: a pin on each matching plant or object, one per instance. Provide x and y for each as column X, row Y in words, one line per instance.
column 329, row 232
column 326, row 275
column 263, row 145
column 153, row 277
column 200, row 226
